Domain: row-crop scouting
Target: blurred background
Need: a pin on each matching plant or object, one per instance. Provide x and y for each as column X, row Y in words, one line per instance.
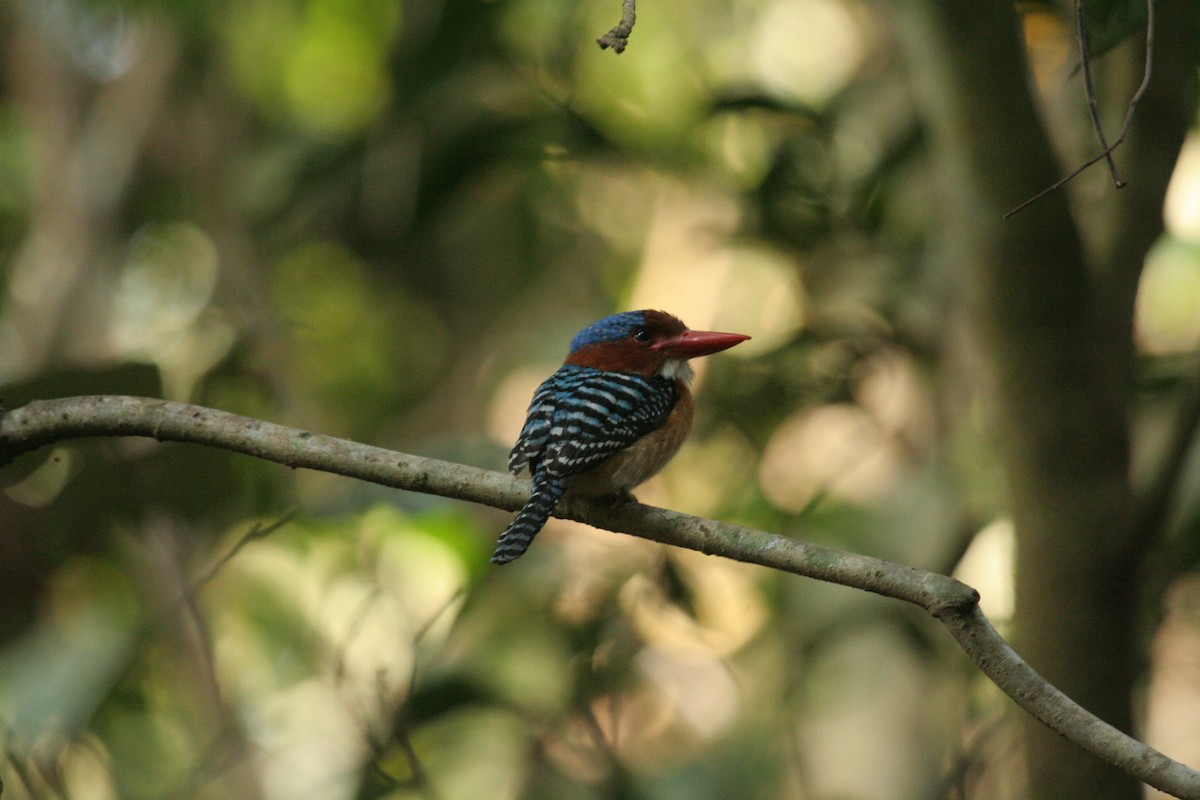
column 384, row 220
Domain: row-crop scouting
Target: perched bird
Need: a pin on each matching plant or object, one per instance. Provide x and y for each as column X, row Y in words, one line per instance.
column 613, row 415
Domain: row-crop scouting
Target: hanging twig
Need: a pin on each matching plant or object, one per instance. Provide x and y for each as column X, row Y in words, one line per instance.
column 1089, row 91
column 1133, row 101
column 618, row 37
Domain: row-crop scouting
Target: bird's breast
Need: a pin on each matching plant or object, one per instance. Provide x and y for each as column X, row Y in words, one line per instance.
column 644, row 458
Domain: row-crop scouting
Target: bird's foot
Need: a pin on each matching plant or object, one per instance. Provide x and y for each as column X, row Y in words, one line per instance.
column 621, row 498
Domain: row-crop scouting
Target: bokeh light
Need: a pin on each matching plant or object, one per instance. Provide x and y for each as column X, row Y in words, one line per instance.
column 1168, row 303
column 808, row 49
column 1182, row 210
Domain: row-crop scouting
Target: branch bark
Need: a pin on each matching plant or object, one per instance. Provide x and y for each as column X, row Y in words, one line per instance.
column 953, row 603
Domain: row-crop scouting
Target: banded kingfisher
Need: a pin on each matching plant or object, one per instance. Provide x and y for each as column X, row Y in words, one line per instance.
column 612, row 416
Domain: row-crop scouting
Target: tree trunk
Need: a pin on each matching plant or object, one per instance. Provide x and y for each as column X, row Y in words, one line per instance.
column 1055, row 335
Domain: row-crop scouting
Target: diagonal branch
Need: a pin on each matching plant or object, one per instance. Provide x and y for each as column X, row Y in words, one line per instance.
column 45, row 422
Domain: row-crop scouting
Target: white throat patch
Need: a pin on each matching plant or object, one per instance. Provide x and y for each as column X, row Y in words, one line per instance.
column 677, row 368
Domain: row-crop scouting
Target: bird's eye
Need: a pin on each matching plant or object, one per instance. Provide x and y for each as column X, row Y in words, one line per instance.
column 642, row 336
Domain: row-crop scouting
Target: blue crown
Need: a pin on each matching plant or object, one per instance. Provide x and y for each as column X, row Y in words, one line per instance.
column 617, row 326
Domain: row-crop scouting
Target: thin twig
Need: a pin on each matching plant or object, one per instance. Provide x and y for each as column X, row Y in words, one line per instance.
column 969, row 757
column 259, row 531
column 1089, row 91
column 357, row 620
column 618, row 37
column 1155, row 501
column 419, row 778
column 953, row 603
column 18, row 763
column 599, row 738
column 1133, row 101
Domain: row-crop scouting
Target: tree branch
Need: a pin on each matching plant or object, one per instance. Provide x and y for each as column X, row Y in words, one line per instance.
column 955, row 604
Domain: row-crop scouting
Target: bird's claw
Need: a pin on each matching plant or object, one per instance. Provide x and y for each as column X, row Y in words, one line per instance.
column 621, row 498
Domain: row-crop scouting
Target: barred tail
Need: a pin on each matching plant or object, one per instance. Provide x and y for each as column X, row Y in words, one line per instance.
column 515, row 541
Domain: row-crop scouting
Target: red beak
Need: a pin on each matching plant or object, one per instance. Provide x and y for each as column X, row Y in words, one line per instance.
column 691, row 344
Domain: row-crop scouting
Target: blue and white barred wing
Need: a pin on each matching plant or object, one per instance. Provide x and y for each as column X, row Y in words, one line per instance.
column 578, row 417
column 581, row 416
column 607, row 413
column 538, row 422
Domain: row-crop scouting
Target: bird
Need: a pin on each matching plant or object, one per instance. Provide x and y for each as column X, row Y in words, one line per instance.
column 609, row 418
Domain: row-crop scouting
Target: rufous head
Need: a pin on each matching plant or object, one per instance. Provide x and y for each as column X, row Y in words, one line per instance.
column 646, row 342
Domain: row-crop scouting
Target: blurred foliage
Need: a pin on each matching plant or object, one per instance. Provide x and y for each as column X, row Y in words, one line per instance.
column 385, row 220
